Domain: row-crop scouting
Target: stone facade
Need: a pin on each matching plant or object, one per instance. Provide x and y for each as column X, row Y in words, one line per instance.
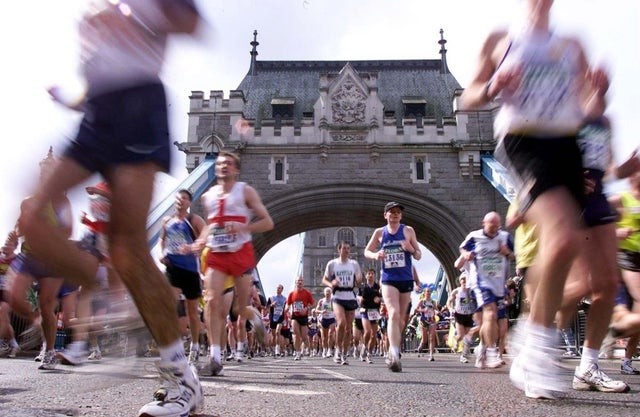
column 328, row 143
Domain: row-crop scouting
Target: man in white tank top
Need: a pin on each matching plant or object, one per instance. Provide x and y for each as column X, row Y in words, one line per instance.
column 533, row 72
column 234, row 211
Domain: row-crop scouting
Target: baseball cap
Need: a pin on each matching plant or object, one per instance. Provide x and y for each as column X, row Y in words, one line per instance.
column 392, row 204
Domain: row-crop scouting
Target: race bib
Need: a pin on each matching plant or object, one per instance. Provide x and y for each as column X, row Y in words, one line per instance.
column 298, row 306
column 373, row 314
column 278, row 310
column 221, row 240
column 394, row 258
column 491, row 266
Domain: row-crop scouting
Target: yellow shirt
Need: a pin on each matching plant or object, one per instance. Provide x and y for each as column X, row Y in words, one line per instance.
column 526, row 241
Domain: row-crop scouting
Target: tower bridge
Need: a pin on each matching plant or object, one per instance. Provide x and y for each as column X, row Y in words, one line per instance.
column 328, row 143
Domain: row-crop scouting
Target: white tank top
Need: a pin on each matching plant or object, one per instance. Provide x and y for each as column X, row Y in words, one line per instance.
column 225, row 210
column 547, row 102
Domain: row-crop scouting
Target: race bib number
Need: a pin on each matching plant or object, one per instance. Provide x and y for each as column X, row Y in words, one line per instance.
column 394, row 258
column 220, row 239
column 491, row 266
column 278, row 310
column 298, row 306
column 373, row 315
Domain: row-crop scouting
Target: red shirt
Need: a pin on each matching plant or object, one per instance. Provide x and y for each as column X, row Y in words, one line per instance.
column 299, row 300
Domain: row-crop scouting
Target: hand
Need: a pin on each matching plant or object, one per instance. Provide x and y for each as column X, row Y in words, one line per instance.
column 505, row 79
column 406, row 245
column 598, row 79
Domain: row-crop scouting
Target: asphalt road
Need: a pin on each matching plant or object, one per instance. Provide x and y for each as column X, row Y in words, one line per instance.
column 311, row 387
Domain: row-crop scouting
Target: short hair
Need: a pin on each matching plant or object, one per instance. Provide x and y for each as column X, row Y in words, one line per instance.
column 235, row 157
column 187, row 192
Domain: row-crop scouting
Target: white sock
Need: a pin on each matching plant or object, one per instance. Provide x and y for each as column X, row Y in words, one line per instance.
column 216, row 352
column 589, row 357
column 173, row 353
column 194, row 347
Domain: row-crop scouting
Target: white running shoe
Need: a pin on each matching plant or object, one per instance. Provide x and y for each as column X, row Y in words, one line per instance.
column 49, row 360
column 464, row 359
column 40, row 356
column 492, row 359
column 194, row 355
column 593, row 379
column 179, row 395
column 627, row 368
column 336, row 357
column 343, row 360
column 393, row 363
column 13, row 352
column 538, row 374
column 240, row 356
column 95, row 355
column 74, row 354
column 4, row 348
column 215, row 367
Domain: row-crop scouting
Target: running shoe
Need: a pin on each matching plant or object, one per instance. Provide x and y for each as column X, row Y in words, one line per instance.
column 431, row 359
column 194, row 355
column 40, row 356
column 337, row 357
column 296, row 356
column 13, row 352
column 593, row 379
column 95, row 355
column 215, row 367
column 492, row 359
column 393, row 363
column 343, row 360
column 4, row 348
column 240, row 356
column 75, row 354
column 179, row 395
column 49, row 360
column 464, row 359
column 627, row 368
column 538, row 374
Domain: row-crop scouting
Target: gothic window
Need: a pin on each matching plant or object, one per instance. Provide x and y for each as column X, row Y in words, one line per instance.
column 322, row 240
column 345, row 234
column 278, row 170
column 420, row 169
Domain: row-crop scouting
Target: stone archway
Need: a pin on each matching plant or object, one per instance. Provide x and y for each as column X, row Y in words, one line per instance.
column 437, row 228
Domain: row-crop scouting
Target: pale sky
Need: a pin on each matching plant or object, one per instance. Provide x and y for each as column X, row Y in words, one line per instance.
column 39, row 50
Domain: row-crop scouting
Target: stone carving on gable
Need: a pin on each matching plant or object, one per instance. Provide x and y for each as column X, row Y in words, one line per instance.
column 348, row 104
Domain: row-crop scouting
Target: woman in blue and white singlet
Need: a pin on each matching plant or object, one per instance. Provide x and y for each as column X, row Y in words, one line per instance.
column 394, row 245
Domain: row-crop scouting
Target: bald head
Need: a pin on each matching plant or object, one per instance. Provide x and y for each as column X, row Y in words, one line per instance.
column 491, row 223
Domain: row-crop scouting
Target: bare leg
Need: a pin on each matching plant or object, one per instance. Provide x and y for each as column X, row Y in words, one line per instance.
column 558, row 246
column 132, row 188
column 603, row 280
column 48, row 241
